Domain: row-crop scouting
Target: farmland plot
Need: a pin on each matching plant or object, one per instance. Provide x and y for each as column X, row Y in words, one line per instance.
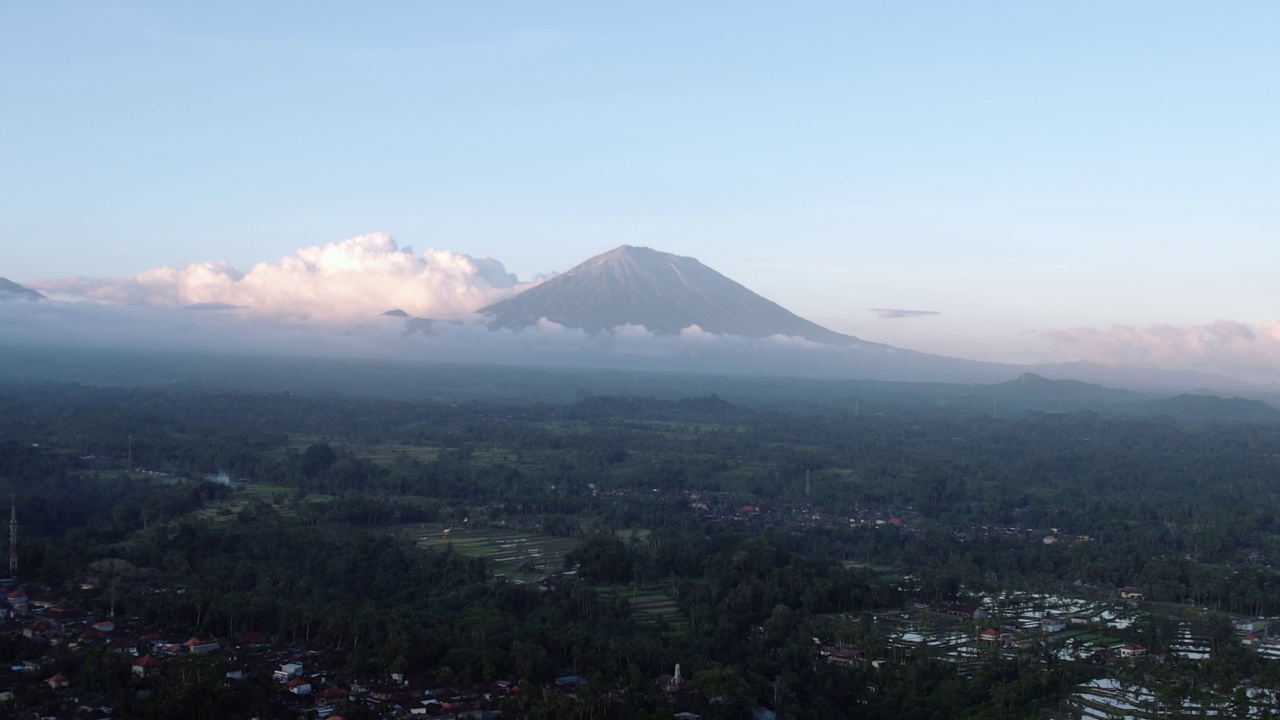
column 520, row 555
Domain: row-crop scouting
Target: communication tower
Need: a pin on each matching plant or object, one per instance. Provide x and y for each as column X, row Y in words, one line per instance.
column 13, row 538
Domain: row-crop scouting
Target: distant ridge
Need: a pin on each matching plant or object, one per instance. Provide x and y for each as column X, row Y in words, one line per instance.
column 10, row 290
column 1212, row 408
column 663, row 292
column 1152, row 380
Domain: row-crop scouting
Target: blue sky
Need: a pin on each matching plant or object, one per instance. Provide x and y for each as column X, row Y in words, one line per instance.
column 1019, row 167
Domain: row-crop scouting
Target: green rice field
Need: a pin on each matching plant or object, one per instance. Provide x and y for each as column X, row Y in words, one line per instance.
column 509, row 549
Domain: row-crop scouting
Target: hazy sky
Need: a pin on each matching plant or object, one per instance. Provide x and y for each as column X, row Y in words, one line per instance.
column 1033, row 173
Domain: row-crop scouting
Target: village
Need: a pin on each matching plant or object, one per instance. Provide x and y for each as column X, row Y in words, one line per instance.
column 308, row 682
column 1024, row 626
column 1037, row 627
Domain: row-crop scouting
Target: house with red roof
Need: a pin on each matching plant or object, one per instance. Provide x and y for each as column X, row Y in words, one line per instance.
column 506, row 687
column 196, row 645
column 333, row 693
column 1132, row 650
column 146, row 665
column 36, row 628
column 63, row 613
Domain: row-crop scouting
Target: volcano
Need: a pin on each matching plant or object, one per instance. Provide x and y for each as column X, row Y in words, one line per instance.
column 10, row 290
column 663, row 292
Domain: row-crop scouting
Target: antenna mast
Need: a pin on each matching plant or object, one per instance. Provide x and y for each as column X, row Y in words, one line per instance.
column 13, row 537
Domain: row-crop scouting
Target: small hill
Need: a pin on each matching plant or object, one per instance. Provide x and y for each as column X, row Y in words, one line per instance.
column 1030, row 386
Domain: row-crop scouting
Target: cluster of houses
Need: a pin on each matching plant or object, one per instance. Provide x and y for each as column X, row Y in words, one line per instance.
column 397, row 694
column 1054, row 536
column 1010, row 624
column 1261, row 634
column 726, row 507
column 842, row 656
column 958, row 610
column 308, row 681
column 1074, row 629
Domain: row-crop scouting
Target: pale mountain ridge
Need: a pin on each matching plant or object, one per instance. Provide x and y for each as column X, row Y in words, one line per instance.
column 10, row 290
column 668, row 293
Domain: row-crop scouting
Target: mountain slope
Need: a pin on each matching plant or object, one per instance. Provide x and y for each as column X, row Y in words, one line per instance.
column 665, row 293
column 10, row 290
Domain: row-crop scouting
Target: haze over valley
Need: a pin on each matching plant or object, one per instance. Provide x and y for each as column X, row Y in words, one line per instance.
column 629, row 307
column 639, row 361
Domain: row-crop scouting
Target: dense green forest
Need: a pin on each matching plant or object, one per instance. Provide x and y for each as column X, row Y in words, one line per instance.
column 765, row 527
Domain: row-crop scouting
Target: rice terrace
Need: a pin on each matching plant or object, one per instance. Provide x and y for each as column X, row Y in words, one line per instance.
column 527, row 557
column 517, row 554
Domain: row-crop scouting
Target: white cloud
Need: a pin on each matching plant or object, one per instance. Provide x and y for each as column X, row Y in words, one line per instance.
column 357, row 278
column 898, row 313
column 329, row 300
column 178, row 328
column 1223, row 346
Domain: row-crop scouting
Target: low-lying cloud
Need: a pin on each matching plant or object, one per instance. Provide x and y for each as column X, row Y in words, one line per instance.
column 1226, row 347
column 356, row 278
column 896, row 313
column 212, row 306
column 89, row 325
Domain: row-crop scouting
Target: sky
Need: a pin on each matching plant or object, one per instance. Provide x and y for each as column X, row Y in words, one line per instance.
column 1032, row 181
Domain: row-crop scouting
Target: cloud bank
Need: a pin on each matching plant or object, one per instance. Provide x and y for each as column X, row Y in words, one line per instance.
column 1242, row 350
column 895, row 313
column 331, row 300
column 140, row 327
column 356, row 278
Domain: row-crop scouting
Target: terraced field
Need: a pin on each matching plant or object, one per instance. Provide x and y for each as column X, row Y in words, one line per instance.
column 511, row 550
column 656, row 610
column 244, row 495
column 651, row 608
column 389, row 454
column 508, row 549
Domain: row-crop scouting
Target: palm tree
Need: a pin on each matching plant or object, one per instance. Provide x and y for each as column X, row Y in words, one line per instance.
column 109, row 573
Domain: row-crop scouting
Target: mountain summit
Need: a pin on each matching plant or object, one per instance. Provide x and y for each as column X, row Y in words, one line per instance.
column 665, row 293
